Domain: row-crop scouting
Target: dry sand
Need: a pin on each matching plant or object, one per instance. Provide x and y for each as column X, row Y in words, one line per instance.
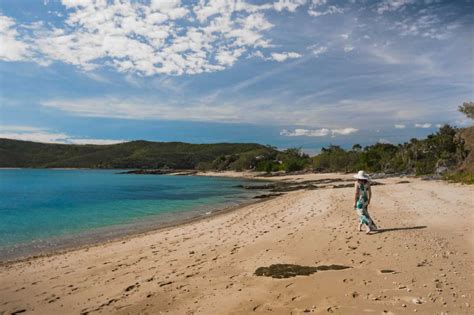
column 421, row 261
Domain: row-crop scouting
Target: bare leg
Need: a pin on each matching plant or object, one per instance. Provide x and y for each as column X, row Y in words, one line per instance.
column 360, row 227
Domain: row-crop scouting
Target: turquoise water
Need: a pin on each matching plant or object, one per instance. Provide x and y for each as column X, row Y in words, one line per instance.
column 40, row 205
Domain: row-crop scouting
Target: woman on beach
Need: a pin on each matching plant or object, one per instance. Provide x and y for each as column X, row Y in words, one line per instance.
column 363, row 194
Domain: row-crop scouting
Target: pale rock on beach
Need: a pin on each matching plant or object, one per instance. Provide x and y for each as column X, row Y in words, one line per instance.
column 421, row 261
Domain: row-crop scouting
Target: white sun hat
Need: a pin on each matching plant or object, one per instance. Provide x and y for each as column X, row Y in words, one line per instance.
column 361, row 175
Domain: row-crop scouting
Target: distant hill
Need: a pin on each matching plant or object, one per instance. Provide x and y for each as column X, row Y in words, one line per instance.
column 135, row 154
column 448, row 152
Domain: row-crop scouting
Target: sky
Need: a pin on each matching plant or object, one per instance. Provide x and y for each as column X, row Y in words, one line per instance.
column 289, row 73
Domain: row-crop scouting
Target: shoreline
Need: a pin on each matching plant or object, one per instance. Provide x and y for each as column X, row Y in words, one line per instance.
column 67, row 245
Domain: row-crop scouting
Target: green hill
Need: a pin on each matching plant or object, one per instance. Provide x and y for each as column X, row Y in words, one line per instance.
column 135, row 154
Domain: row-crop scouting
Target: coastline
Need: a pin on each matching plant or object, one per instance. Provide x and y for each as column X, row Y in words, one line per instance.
column 63, row 244
column 207, row 266
column 114, row 233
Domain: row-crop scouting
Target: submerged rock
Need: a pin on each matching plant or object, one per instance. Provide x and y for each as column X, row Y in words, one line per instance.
column 160, row 172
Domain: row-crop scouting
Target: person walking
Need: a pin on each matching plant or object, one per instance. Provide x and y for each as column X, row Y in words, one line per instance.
column 363, row 195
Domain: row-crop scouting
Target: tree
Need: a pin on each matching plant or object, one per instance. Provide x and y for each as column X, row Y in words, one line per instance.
column 467, row 108
column 356, row 147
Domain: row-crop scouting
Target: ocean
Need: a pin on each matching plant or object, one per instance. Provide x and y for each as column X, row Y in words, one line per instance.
column 43, row 209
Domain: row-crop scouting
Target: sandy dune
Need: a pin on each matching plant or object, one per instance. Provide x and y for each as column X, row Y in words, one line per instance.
column 421, row 261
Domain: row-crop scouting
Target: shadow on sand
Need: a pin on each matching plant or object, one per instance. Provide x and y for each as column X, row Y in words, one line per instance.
column 402, row 228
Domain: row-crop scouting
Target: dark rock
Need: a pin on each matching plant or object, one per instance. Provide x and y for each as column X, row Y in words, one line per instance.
column 343, row 186
column 387, row 271
column 166, row 283
column 332, row 267
column 148, row 172
column 255, row 187
column 264, row 196
column 131, row 287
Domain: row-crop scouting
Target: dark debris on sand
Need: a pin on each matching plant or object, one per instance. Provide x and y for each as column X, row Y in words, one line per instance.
column 282, row 187
column 281, row 271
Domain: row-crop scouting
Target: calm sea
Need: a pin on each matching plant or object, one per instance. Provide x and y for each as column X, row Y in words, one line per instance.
column 43, row 209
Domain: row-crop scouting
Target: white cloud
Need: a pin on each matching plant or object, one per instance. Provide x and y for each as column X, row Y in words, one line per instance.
column 290, row 5
column 97, row 77
column 228, row 57
column 316, row 8
column 348, row 48
column 323, row 132
column 428, row 25
column 44, row 135
column 92, row 141
column 22, row 128
column 318, row 50
column 425, row 125
column 399, row 126
column 386, row 55
column 280, row 57
column 38, row 136
column 306, row 132
column 11, row 47
column 143, row 109
column 344, row 131
column 330, row 10
column 76, row 3
column 159, row 37
column 392, row 5
column 218, row 106
column 173, row 37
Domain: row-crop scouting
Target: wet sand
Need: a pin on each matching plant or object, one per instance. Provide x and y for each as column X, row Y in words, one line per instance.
column 421, row 261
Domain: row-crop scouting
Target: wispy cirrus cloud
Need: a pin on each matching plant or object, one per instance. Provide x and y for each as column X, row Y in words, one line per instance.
column 44, row 135
column 393, row 5
column 242, row 109
column 318, row 50
column 142, row 109
column 316, row 8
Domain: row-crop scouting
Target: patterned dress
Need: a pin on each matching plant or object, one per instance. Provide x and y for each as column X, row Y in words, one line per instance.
column 362, row 203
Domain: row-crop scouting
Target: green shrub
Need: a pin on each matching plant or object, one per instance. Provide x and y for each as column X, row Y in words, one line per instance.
column 293, row 165
column 460, row 177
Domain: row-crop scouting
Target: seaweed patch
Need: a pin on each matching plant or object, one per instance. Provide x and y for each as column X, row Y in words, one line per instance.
column 281, row 271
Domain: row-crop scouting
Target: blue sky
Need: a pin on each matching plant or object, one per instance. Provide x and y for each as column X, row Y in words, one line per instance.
column 288, row 73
